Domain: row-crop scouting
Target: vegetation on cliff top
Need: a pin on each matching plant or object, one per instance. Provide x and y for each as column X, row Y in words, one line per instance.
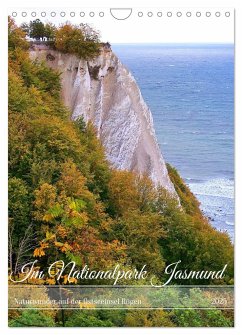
column 66, row 202
column 81, row 40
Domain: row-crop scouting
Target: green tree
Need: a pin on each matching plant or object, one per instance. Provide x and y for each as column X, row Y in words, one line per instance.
column 141, row 233
column 75, row 40
column 188, row 201
column 85, row 319
column 32, row 318
column 36, row 29
column 201, row 318
column 151, row 318
column 25, row 27
column 123, row 193
column 196, row 244
column 19, row 203
column 16, row 37
column 50, row 31
column 20, row 231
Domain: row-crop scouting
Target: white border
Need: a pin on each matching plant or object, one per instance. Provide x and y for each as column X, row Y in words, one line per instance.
column 3, row 162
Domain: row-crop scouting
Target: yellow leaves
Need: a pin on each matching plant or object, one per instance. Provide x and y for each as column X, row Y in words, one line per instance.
column 73, row 206
column 45, row 195
column 16, row 36
column 66, row 247
column 86, row 305
column 44, row 199
column 49, row 235
column 34, row 278
column 67, row 279
column 63, row 246
column 79, row 218
column 47, row 217
column 72, row 182
column 50, row 281
column 106, row 225
column 147, row 318
column 54, row 269
column 44, row 245
column 61, row 231
column 63, row 34
column 123, row 191
column 58, row 244
column 36, row 94
column 39, row 252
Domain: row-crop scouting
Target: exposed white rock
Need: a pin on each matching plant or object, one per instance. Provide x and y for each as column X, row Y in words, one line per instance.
column 104, row 91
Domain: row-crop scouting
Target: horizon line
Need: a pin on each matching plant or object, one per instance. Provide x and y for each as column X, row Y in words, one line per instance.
column 175, row 43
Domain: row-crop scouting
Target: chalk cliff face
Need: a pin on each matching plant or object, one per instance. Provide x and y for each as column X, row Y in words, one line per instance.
column 105, row 92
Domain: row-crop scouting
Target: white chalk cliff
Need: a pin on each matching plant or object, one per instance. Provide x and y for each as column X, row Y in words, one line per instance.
column 105, row 92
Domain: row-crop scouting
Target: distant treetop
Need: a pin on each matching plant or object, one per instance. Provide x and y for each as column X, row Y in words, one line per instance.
column 81, row 40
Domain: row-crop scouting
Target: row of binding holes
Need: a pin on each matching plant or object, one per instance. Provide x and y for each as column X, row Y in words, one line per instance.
column 140, row 14
column 62, row 14
column 179, row 14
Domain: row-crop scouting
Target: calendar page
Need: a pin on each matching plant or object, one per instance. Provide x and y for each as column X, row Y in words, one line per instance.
column 121, row 167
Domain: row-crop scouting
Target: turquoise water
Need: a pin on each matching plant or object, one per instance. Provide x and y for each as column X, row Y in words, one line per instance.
column 190, row 89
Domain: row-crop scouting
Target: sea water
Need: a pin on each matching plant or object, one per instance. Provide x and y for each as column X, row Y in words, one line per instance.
column 190, row 92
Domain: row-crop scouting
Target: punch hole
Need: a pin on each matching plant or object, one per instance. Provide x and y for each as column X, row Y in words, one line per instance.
column 198, row 14
column 121, row 13
column 150, row 14
column 43, row 14
column 140, row 14
column 159, row 14
column 53, row 14
column 91, row 14
column 62, row 14
column 82, row 14
column 217, row 14
column 101, row 14
column 208, row 14
column 227, row 14
column 14, row 14
column 24, row 14
column 33, row 14
column 169, row 14
column 188, row 14
column 179, row 14
column 72, row 14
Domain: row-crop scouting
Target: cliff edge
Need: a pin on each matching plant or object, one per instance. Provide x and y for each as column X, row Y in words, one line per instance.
column 104, row 91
